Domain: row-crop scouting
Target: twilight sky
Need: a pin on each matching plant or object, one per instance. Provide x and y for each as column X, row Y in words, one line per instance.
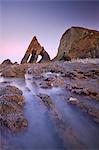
column 20, row 20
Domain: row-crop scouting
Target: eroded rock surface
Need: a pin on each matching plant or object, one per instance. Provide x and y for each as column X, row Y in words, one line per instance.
column 45, row 56
column 78, row 42
column 80, row 78
column 11, row 108
column 75, row 80
column 91, row 111
column 65, row 133
column 14, row 70
column 33, row 51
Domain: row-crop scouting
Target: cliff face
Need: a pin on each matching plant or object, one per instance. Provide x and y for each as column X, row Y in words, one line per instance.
column 78, row 42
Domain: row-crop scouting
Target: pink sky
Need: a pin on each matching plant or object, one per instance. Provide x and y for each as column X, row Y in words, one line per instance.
column 21, row 20
column 15, row 49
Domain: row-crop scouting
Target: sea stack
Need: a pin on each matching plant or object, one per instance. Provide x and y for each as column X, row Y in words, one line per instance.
column 33, row 51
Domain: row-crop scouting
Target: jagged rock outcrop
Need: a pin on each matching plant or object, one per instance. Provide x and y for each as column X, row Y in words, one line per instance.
column 33, row 51
column 78, row 42
column 45, row 56
column 7, row 62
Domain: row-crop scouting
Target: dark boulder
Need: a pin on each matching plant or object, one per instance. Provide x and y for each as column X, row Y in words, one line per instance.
column 7, row 62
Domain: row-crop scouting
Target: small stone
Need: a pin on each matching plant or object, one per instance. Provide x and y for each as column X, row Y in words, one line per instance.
column 73, row 100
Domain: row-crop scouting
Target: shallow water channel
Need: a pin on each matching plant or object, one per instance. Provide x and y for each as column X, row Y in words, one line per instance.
column 76, row 130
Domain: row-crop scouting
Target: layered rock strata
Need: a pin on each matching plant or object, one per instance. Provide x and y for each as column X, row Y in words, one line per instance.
column 11, row 108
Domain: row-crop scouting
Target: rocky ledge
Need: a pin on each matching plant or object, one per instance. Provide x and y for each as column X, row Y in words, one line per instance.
column 11, row 108
column 79, row 77
column 86, row 108
column 14, row 70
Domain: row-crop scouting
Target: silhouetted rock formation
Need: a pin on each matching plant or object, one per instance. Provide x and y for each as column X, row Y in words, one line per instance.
column 78, row 42
column 33, row 51
column 7, row 62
